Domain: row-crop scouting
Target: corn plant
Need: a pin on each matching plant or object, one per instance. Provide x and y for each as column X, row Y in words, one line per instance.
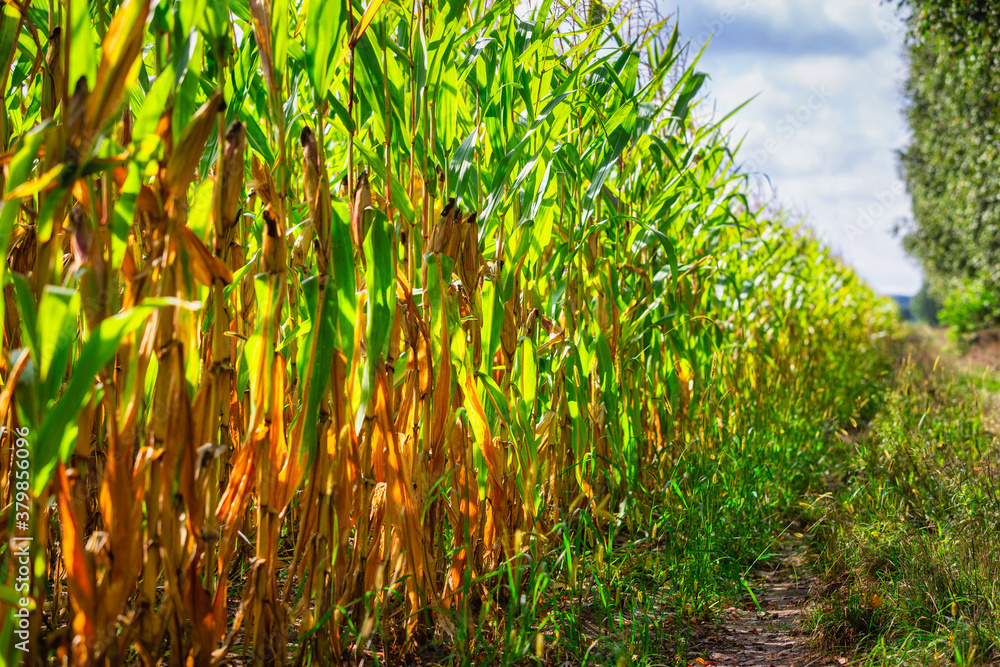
column 320, row 317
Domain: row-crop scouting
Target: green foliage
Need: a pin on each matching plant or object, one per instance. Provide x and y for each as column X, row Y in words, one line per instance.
column 973, row 306
column 961, row 22
column 911, row 561
column 952, row 165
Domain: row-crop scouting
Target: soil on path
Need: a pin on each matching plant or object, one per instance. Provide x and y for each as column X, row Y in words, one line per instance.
column 774, row 635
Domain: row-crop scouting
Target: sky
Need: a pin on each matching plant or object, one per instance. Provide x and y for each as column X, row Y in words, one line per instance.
column 827, row 118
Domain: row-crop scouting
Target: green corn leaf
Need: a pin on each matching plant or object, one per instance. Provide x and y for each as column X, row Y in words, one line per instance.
column 10, row 25
column 27, row 311
column 51, row 445
column 19, row 171
column 316, row 355
column 280, row 31
column 400, row 199
column 492, row 323
column 124, row 214
column 380, row 276
column 497, row 399
column 460, row 167
column 326, row 22
column 214, row 20
column 691, row 87
column 83, row 47
column 342, row 281
column 58, row 310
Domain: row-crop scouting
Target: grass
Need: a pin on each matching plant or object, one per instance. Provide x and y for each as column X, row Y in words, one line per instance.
column 631, row 591
column 909, row 541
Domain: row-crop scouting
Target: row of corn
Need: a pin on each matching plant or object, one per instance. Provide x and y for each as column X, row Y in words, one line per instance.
column 318, row 314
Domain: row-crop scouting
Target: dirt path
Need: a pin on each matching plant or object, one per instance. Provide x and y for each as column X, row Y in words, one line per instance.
column 773, row 636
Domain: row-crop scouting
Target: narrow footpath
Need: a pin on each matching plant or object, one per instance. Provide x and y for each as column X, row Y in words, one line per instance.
column 774, row 635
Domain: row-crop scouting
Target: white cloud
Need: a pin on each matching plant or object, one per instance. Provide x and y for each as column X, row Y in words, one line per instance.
column 826, row 121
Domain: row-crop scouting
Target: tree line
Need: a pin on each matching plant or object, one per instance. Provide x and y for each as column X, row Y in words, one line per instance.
column 952, row 164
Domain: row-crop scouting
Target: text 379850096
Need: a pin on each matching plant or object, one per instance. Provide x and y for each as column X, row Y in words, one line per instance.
column 21, row 542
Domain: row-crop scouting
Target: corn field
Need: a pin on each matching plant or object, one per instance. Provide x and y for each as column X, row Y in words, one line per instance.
column 324, row 322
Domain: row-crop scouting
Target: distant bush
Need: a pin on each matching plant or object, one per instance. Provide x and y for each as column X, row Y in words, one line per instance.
column 924, row 307
column 970, row 308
